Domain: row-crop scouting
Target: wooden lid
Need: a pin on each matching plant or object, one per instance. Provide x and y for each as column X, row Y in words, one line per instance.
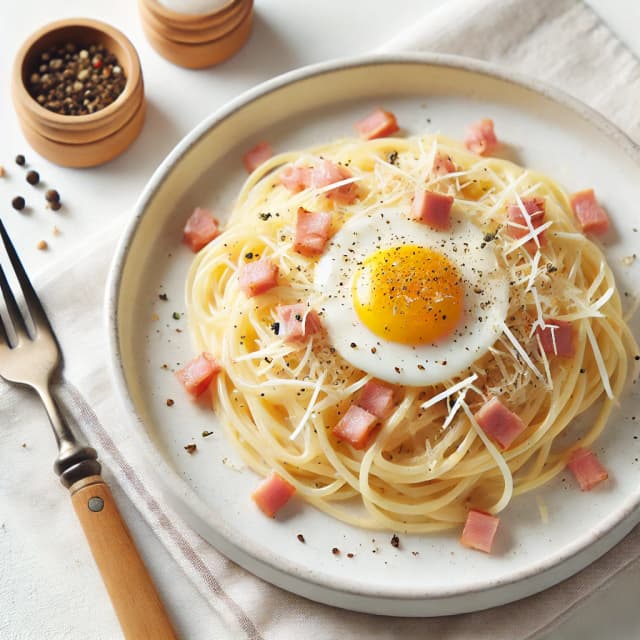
column 197, row 41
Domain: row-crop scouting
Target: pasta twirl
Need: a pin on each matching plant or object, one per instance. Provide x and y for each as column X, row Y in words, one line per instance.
column 428, row 461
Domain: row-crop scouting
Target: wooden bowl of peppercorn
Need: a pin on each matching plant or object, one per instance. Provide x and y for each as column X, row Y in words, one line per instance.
column 78, row 91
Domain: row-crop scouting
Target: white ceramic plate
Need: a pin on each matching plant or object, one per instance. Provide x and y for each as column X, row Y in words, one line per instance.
column 426, row 575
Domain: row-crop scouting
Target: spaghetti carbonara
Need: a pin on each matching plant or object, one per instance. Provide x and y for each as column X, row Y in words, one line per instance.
column 437, row 312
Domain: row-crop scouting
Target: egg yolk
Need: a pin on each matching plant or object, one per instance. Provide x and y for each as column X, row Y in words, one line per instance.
column 408, row 294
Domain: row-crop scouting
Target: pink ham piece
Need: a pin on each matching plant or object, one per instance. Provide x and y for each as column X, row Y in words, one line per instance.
column 376, row 398
column 201, row 228
column 272, row 494
column 442, row 165
column 297, row 321
column 561, row 336
column 479, row 530
column 432, row 208
column 355, row 427
column 326, row 173
column 253, row 158
column 197, row 375
column 258, row 277
column 499, row 423
column 481, row 138
column 295, row 178
column 589, row 214
column 534, row 207
column 312, row 232
column 377, row 125
column 586, row 468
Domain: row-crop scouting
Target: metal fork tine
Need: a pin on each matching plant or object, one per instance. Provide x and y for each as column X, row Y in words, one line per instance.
column 38, row 315
column 15, row 314
column 3, row 330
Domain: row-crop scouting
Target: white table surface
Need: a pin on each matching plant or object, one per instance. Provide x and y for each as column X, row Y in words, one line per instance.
column 40, row 589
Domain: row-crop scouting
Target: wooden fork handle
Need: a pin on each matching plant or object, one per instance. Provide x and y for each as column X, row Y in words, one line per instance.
column 133, row 594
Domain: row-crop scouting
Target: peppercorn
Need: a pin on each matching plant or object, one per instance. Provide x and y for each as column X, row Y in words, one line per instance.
column 52, row 196
column 33, row 177
column 20, row 161
column 18, row 203
column 71, row 82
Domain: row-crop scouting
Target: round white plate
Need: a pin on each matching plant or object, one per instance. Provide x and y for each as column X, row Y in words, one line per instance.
column 425, row 575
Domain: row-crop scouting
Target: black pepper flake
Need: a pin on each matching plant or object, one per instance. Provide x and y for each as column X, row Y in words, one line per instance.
column 20, row 160
column 190, row 448
column 248, row 255
column 205, row 434
column 395, row 541
column 392, row 158
column 637, row 357
column 18, row 203
column 335, row 551
column 300, row 538
column 170, row 402
column 275, row 327
column 583, row 370
column 163, row 296
column 353, row 345
column 349, row 555
column 264, row 216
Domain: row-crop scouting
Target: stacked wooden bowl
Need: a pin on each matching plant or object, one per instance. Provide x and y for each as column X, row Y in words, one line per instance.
column 197, row 40
column 80, row 140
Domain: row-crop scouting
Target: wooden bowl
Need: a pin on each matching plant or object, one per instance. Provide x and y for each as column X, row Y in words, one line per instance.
column 197, row 41
column 86, row 140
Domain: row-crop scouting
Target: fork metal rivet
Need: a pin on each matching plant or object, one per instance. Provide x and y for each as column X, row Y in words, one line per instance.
column 96, row 504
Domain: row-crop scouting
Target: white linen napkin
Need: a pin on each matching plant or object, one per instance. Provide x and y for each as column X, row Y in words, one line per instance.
column 561, row 41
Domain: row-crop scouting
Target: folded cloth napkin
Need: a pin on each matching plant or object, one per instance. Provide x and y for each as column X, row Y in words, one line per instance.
column 561, row 41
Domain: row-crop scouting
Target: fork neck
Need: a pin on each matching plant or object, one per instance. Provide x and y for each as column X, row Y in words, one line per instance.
column 74, row 461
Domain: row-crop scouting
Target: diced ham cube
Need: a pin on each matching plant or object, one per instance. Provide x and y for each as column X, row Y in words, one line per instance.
column 295, row 178
column 355, row 427
column 557, row 341
column 586, row 468
column 253, row 158
column 481, row 138
column 326, row 173
column 197, row 375
column 376, row 398
column 479, row 530
column 258, row 277
column 499, row 423
column 534, row 207
column 312, row 232
column 297, row 321
column 201, row 228
column 517, row 226
column 272, row 494
column 442, row 165
column 377, row 125
column 432, row 208
column 589, row 214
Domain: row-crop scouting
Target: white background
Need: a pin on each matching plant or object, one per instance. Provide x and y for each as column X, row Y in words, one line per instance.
column 38, row 593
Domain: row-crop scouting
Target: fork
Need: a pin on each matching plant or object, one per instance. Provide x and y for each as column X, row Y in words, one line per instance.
column 31, row 356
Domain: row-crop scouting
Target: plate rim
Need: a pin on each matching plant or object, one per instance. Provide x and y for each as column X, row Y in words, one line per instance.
column 180, row 490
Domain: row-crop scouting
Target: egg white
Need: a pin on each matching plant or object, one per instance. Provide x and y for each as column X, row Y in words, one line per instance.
column 486, row 297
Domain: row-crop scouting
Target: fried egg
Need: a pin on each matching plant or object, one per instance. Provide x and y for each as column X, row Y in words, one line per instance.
column 409, row 304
